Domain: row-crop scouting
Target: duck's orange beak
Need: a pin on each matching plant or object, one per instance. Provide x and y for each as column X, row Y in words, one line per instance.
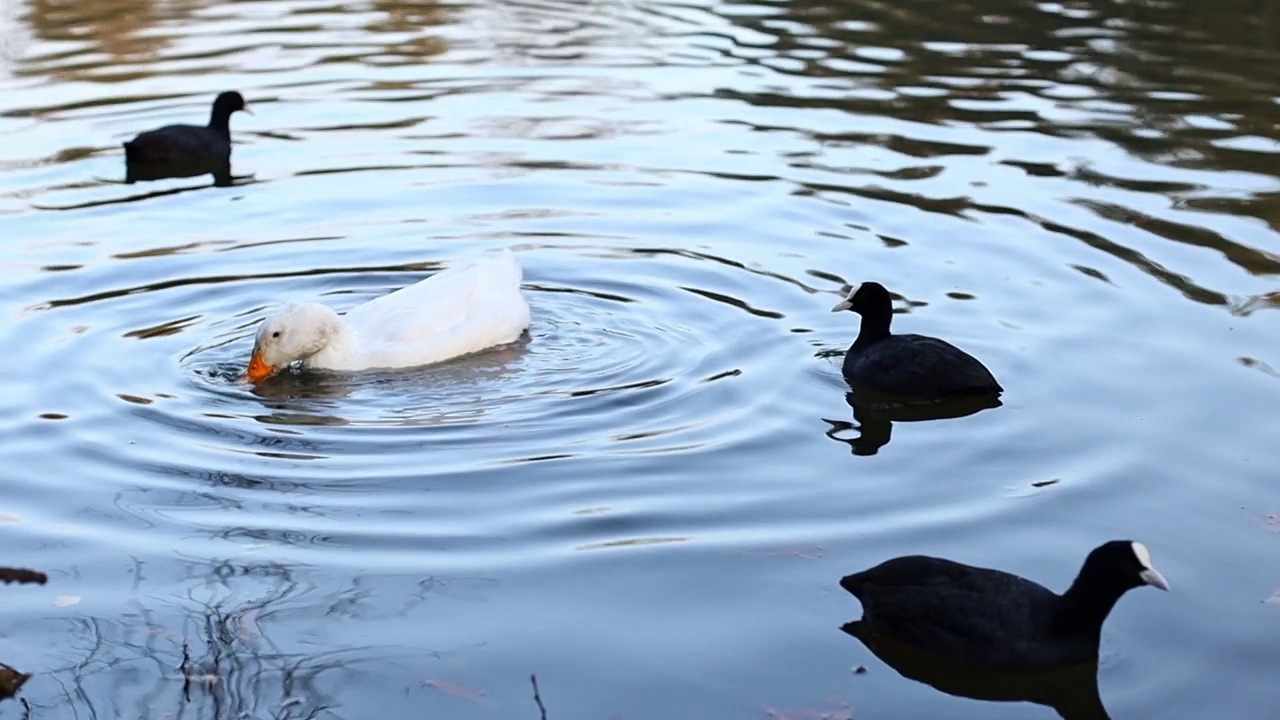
column 258, row 370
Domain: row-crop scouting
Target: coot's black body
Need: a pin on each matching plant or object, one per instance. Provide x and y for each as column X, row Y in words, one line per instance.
column 996, row 619
column 907, row 365
column 177, row 151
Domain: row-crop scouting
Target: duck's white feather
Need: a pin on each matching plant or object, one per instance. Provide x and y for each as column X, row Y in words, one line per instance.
column 455, row 312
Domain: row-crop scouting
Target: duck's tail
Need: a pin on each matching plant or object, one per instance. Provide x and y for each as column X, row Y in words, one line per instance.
column 508, row 258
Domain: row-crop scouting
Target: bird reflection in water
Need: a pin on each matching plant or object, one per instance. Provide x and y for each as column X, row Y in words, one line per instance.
column 444, row 393
column 875, row 412
column 1072, row 691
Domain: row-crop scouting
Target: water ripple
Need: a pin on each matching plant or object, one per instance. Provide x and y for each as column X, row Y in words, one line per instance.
column 1082, row 193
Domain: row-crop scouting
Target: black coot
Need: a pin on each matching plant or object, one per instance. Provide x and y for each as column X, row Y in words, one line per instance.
column 996, row 619
column 186, row 150
column 912, row 365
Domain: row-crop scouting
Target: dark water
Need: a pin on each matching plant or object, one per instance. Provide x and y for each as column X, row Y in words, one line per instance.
column 649, row 503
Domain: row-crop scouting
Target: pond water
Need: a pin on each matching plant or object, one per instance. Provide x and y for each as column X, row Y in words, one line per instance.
column 648, row 503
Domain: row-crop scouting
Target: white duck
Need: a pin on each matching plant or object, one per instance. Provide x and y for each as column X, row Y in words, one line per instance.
column 455, row 312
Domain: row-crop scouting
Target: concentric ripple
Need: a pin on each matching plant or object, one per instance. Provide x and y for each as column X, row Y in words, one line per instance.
column 598, row 350
column 632, row 353
column 647, row 501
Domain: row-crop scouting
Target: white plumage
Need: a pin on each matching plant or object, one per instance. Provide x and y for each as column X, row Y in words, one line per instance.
column 455, row 312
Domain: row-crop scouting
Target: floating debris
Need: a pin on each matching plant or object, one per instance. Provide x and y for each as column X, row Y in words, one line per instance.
column 456, row 690
column 11, row 681
column 22, row 576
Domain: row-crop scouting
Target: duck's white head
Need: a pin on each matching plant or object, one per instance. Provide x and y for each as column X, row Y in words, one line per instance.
column 293, row 334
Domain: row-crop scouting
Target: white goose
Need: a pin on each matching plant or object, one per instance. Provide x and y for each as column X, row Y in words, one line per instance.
column 455, row 312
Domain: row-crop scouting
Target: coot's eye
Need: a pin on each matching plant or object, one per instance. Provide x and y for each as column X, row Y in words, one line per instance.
column 275, row 334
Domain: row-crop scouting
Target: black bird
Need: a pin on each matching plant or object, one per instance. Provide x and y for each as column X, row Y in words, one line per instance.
column 909, row 365
column 175, row 151
column 993, row 618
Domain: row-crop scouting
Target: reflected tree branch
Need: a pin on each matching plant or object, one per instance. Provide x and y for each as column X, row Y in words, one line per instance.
column 537, row 697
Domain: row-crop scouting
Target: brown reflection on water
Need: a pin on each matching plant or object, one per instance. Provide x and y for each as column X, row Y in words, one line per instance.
column 1188, row 75
column 1179, row 84
column 132, row 39
column 407, row 16
column 116, row 28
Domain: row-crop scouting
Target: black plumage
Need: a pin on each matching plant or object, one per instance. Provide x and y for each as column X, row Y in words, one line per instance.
column 908, row 365
column 997, row 619
column 175, row 151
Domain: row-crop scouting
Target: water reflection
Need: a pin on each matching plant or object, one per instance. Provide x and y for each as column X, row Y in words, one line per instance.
column 12, row 679
column 131, row 35
column 1170, row 83
column 116, row 28
column 216, row 654
column 874, row 414
column 143, row 172
column 1072, row 692
column 138, row 197
column 424, row 396
column 1099, row 174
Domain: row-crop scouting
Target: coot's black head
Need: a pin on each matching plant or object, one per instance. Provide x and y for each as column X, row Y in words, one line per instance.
column 229, row 102
column 1122, row 565
column 869, row 296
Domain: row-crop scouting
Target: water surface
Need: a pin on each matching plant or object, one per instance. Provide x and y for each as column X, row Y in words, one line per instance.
column 648, row 503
